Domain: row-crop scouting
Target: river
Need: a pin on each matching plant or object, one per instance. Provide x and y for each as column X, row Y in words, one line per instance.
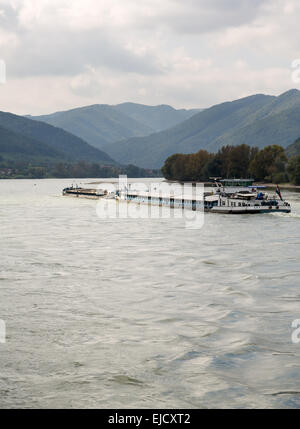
column 125, row 313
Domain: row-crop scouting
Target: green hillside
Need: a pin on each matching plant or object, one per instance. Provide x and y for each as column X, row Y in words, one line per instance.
column 101, row 124
column 257, row 120
column 97, row 125
column 157, row 118
column 42, row 137
column 293, row 149
column 17, row 147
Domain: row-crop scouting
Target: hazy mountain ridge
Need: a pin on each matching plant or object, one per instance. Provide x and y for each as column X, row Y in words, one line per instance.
column 97, row 124
column 258, row 120
column 40, row 139
column 158, row 118
column 102, row 124
column 293, row 149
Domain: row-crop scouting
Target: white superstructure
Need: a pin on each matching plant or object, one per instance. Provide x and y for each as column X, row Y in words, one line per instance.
column 236, row 196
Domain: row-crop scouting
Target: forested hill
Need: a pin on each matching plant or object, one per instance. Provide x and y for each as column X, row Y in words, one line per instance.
column 158, row 118
column 21, row 136
column 17, row 147
column 102, row 124
column 258, row 120
column 293, row 149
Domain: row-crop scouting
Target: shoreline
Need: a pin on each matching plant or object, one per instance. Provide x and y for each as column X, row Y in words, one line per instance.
column 288, row 186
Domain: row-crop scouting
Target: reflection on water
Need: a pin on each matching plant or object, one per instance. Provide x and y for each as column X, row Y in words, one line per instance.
column 145, row 313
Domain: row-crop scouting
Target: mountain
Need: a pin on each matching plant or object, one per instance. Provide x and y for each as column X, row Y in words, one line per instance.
column 158, row 118
column 258, row 120
column 97, row 125
column 293, row 149
column 101, row 124
column 37, row 139
column 18, row 147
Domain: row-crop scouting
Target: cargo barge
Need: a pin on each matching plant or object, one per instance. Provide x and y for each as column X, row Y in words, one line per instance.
column 229, row 196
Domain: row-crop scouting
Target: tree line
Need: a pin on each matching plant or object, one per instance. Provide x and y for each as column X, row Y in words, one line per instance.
column 269, row 165
column 81, row 169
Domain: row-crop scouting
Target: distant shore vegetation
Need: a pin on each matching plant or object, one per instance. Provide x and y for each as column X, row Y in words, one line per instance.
column 81, row 169
column 270, row 164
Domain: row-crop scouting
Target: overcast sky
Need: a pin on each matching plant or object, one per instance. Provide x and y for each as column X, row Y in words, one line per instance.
column 188, row 53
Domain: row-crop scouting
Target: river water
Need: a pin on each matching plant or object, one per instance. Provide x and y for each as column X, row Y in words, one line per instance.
column 124, row 313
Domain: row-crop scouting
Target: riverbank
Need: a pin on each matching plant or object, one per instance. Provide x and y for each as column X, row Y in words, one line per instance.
column 288, row 186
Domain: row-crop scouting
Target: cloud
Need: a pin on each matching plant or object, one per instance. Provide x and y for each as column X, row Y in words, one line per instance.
column 46, row 42
column 202, row 16
column 190, row 53
column 69, row 53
